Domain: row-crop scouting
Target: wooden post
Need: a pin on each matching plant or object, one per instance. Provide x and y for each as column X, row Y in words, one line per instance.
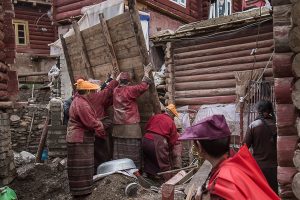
column 135, row 20
column 42, row 141
column 68, row 61
column 171, row 79
column 84, row 53
column 109, row 44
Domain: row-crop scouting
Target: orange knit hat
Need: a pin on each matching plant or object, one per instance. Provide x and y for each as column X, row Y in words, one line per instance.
column 86, row 85
column 172, row 108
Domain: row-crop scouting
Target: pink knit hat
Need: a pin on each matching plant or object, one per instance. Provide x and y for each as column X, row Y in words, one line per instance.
column 210, row 128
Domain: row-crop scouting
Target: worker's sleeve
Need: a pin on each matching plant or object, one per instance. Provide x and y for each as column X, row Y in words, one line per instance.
column 248, row 137
column 107, row 93
column 137, row 90
column 88, row 118
column 173, row 135
column 103, row 86
column 148, row 123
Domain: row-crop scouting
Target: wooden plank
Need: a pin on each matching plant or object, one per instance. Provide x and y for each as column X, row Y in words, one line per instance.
column 111, row 53
column 84, row 53
column 283, row 90
column 117, row 20
column 221, row 50
column 286, row 145
column 213, row 76
column 225, row 68
column 282, row 15
column 294, row 39
column 138, row 32
column 205, row 100
column 205, row 85
column 68, row 61
column 282, row 65
column 121, row 32
column 99, row 56
column 199, row 63
column 205, row 92
column 281, row 39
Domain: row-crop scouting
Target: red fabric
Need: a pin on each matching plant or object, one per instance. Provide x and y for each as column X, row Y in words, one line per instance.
column 103, row 99
column 239, row 178
column 162, row 124
column 125, row 105
column 83, row 118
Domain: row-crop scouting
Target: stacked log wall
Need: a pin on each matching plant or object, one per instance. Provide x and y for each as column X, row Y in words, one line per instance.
column 285, row 109
column 294, row 65
column 41, row 31
column 204, row 68
column 7, row 56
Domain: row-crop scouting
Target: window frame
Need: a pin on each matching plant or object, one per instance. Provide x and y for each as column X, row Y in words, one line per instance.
column 214, row 9
column 17, row 22
column 178, row 2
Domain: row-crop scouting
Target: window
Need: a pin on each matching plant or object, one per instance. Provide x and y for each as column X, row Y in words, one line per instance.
column 220, row 8
column 21, row 32
column 180, row 2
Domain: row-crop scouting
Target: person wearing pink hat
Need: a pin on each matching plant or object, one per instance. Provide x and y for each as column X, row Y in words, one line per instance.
column 233, row 178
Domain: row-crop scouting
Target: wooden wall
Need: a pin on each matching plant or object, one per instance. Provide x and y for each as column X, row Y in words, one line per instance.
column 99, row 55
column 37, row 19
column 201, row 71
column 65, row 9
column 7, row 44
column 286, row 67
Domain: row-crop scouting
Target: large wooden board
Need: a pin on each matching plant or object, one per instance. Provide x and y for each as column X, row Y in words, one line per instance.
column 125, row 42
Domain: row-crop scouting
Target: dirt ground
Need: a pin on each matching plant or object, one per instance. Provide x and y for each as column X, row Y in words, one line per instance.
column 49, row 182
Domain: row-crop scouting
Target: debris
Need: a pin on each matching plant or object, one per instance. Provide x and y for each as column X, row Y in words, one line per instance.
column 62, row 164
column 23, row 158
column 131, row 189
column 14, row 118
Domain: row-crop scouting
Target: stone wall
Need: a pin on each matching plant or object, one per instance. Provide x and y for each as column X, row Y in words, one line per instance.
column 7, row 166
column 26, row 127
column 56, row 140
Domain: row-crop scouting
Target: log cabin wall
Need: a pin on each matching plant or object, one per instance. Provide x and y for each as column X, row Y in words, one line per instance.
column 7, row 56
column 41, row 32
column 285, row 110
column 202, row 68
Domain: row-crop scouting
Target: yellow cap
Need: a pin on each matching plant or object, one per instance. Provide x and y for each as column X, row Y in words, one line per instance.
column 86, row 85
column 172, row 108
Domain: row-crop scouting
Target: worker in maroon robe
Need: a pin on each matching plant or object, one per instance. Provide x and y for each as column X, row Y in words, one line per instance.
column 127, row 132
column 160, row 144
column 101, row 101
column 235, row 178
column 82, row 129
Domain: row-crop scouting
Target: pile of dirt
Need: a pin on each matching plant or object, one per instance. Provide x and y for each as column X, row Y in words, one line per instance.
column 41, row 182
column 50, row 181
column 113, row 187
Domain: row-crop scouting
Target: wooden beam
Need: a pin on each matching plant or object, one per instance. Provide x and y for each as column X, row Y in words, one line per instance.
column 109, row 44
column 68, row 61
column 84, row 53
column 136, row 24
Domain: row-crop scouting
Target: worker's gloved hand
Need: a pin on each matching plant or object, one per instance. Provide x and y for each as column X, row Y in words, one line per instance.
column 118, row 77
column 148, row 69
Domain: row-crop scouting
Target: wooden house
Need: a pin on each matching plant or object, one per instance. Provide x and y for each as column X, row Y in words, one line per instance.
column 164, row 14
column 33, row 31
column 203, row 58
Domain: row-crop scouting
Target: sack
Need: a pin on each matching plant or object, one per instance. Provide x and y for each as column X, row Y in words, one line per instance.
column 7, row 194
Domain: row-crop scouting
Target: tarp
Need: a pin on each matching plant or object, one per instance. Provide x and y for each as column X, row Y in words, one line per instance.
column 90, row 18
